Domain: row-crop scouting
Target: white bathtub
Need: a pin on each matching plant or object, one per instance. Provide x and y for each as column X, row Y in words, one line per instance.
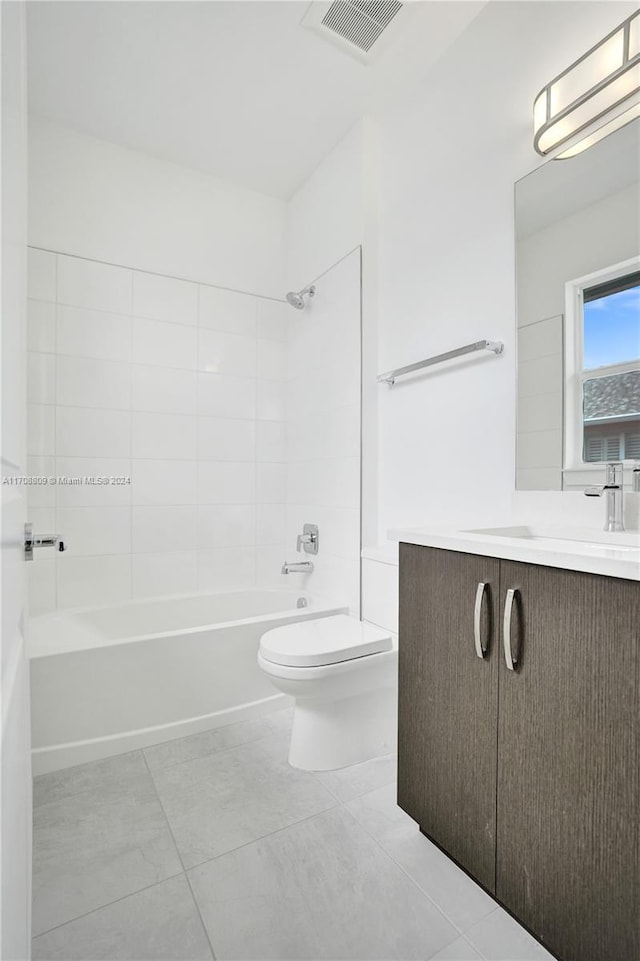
column 117, row 678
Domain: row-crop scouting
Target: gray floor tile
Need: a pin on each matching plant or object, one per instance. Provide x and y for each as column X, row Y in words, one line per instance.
column 159, row 924
column 164, row 755
column 350, row 782
column 224, row 800
column 458, row 950
column 322, row 889
column 499, row 938
column 461, row 899
column 107, row 775
column 99, row 838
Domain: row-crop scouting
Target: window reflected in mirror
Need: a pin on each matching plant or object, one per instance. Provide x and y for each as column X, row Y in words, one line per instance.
column 611, row 346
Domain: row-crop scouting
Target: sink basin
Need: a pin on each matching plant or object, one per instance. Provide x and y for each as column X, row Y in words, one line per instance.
column 627, row 541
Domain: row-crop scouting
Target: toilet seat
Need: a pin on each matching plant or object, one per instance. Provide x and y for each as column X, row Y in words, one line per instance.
column 322, row 641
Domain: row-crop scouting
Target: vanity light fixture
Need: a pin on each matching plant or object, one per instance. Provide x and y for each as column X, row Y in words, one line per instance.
column 596, row 95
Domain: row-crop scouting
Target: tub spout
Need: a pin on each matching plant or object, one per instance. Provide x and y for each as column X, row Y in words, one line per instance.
column 300, row 567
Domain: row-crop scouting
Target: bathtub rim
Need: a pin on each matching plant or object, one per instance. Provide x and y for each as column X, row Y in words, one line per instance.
column 322, row 607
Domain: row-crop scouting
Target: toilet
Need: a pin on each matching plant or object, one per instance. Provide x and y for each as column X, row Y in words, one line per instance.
column 342, row 673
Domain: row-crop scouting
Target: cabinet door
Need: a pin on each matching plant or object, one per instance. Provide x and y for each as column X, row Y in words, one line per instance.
column 447, row 719
column 568, row 778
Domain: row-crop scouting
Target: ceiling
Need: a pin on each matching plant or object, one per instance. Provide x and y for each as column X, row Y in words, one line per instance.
column 236, row 88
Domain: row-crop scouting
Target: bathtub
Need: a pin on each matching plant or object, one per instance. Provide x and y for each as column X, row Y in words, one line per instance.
column 113, row 679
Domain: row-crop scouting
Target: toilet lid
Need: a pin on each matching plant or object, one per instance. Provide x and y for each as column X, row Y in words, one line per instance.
column 323, row 640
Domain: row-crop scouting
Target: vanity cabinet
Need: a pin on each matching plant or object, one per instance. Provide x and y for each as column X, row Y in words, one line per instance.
column 529, row 778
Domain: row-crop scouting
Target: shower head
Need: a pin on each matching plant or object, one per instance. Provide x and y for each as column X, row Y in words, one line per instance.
column 296, row 299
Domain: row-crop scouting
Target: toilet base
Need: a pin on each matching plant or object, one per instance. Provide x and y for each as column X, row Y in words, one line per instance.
column 332, row 733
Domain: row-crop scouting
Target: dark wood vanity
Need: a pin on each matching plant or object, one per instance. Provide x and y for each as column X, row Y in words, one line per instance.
column 529, row 778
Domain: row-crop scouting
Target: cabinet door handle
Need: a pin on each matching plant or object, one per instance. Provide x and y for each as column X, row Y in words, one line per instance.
column 481, row 649
column 506, row 629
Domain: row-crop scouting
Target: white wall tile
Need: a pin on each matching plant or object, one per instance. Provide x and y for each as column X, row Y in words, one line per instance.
column 95, row 530
column 43, row 519
column 85, row 581
column 41, row 274
column 270, row 441
column 223, row 439
column 163, row 529
column 541, row 448
column 540, row 412
column 154, row 575
column 224, row 353
column 112, row 494
column 86, row 382
column 82, row 432
column 273, row 318
column 225, row 482
column 227, row 525
column 269, row 561
column 93, row 333
column 163, row 390
column 167, row 345
column 229, row 569
column 164, row 298
column 41, row 586
column 271, row 360
column 380, row 594
column 534, row 376
column 226, row 310
column 41, row 495
column 340, row 530
column 41, row 326
column 86, row 283
column 163, row 436
column 271, row 483
column 271, row 399
column 270, row 524
column 157, row 482
column 41, row 429
column 541, row 338
column 540, row 479
column 128, row 358
column 41, row 378
column 222, row 396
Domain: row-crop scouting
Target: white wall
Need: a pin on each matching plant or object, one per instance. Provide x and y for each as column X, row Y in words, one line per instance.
column 98, row 200
column 15, row 778
column 175, row 385
column 450, row 155
column 325, row 217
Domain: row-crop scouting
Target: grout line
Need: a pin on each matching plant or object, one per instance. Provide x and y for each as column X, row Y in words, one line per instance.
column 155, row 273
column 175, row 844
column 406, row 873
column 131, row 591
column 265, row 837
column 224, row 750
column 55, row 427
column 196, row 904
column 108, row 904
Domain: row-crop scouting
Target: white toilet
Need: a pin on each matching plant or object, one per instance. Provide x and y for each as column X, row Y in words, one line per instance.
column 343, row 675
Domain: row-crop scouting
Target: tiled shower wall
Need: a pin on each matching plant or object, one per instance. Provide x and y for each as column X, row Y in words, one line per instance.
column 323, row 431
column 178, row 386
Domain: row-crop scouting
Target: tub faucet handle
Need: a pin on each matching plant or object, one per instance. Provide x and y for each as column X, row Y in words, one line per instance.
column 32, row 540
column 308, row 540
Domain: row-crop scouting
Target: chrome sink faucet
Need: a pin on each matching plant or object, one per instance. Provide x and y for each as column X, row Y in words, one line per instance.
column 613, row 486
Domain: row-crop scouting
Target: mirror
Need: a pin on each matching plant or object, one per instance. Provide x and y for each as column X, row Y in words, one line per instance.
column 577, row 236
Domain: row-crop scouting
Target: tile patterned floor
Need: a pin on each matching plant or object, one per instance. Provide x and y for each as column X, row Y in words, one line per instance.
column 212, row 847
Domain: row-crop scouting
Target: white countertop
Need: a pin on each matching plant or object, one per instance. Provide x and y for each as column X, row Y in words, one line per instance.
column 574, row 549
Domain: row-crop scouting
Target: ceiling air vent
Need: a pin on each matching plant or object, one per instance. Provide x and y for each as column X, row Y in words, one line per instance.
column 355, row 25
column 360, row 22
